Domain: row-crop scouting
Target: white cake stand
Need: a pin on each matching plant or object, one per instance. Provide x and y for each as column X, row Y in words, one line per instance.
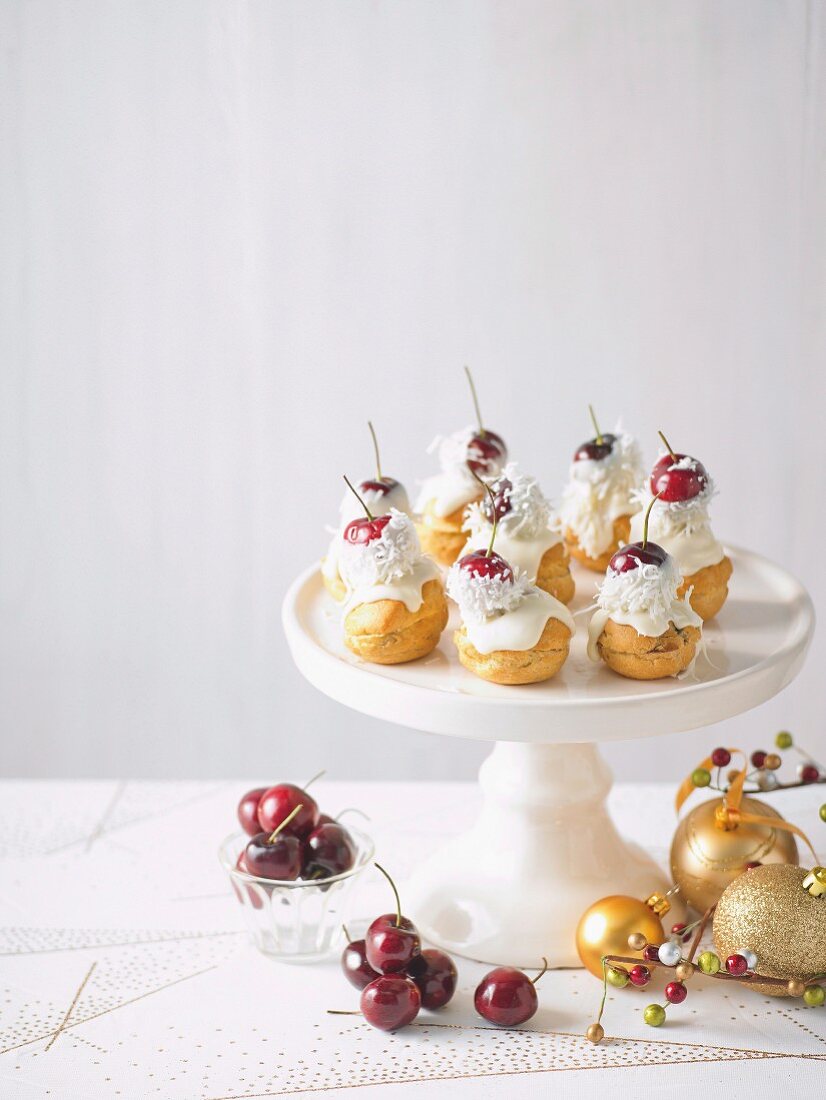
column 512, row 888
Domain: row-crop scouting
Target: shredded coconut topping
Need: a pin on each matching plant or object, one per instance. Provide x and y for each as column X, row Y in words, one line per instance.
column 481, row 598
column 530, row 512
column 677, row 517
column 391, row 556
column 601, row 490
column 452, row 451
column 648, row 589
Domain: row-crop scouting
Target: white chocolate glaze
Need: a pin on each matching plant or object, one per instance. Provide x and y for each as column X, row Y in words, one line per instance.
column 600, row 491
column 455, row 485
column 407, row 589
column 521, row 628
column 525, row 554
column 682, row 528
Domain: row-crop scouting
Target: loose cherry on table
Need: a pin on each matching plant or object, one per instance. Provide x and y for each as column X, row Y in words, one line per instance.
column 507, row 996
column 328, row 850
column 357, row 970
column 435, row 974
column 248, row 810
column 677, row 484
column 276, row 855
column 390, row 1002
column 392, row 940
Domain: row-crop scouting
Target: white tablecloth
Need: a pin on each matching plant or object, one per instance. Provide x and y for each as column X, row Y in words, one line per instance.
column 117, row 922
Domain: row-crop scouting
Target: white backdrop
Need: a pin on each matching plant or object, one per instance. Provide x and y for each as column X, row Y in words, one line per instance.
column 231, row 231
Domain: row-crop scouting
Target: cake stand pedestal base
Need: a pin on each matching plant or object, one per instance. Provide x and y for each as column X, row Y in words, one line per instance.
column 512, row 889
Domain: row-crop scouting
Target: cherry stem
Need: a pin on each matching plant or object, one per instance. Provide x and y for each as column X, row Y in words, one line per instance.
column 342, row 1012
column 286, row 821
column 492, row 498
column 353, row 810
column 395, row 895
column 317, row 775
column 594, row 422
column 346, row 933
column 370, row 515
column 376, row 449
column 668, row 446
column 475, row 399
column 542, row 971
column 647, row 516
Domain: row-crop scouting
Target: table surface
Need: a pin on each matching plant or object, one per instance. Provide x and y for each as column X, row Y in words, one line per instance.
column 126, row 972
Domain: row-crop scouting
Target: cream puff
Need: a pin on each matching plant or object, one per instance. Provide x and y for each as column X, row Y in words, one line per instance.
column 380, row 494
column 512, row 632
column 528, row 535
column 682, row 489
column 395, row 608
column 642, row 629
column 598, row 501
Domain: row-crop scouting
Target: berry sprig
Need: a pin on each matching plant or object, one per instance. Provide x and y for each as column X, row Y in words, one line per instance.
column 762, row 775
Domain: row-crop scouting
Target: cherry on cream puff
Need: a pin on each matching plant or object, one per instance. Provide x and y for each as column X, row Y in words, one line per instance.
column 395, row 608
column 642, row 629
column 443, row 498
column 380, row 494
column 680, row 524
column 512, row 632
column 528, row 535
column 598, row 501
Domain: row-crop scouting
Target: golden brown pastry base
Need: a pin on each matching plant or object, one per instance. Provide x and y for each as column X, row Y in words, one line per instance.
column 710, row 588
column 642, row 658
column 622, row 529
column 514, row 666
column 554, row 573
column 334, row 585
column 442, row 537
column 386, row 633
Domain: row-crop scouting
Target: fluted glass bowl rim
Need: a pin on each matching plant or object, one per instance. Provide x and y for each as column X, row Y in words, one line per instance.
column 365, row 850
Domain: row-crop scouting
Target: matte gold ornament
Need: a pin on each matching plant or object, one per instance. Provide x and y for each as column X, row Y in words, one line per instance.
column 770, row 912
column 706, row 855
column 604, row 929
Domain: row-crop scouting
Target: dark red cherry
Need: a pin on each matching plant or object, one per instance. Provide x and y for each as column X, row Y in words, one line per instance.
column 593, row 450
column 279, row 802
column 325, row 819
column 391, row 947
column 683, row 484
column 362, row 531
column 248, row 811
column 634, row 555
column 277, row 859
column 357, row 970
column 434, row 973
column 506, row 997
column 501, row 504
column 252, row 893
column 381, row 486
column 482, row 564
column 486, row 452
column 390, row 1003
column 328, row 850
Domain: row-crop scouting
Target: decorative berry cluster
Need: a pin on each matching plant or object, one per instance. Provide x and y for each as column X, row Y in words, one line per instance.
column 397, row 978
column 764, row 766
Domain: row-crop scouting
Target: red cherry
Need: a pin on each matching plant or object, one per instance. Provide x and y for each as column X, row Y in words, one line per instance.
column 676, row 993
column 482, row 564
column 720, row 757
column 252, row 893
column 639, row 975
column 279, row 802
column 279, row 858
column 248, row 811
column 328, row 850
column 683, row 484
column 360, row 532
column 506, row 997
column 434, row 973
column 678, row 929
column 635, row 554
column 357, row 970
column 501, row 504
column 737, row 965
column 325, row 819
column 809, row 773
column 651, row 953
column 381, row 486
column 391, row 947
column 594, row 451
column 758, row 758
column 486, row 452
column 389, row 1003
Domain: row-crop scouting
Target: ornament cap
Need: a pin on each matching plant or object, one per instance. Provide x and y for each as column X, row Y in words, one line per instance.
column 659, row 904
column 815, row 882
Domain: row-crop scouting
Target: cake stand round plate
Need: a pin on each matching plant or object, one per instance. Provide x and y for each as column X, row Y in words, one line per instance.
column 512, row 888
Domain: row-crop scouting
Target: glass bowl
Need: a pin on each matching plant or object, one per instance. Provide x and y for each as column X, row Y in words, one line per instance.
column 295, row 921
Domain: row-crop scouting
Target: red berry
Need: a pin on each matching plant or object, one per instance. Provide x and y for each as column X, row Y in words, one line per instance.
column 357, row 970
column 248, row 811
column 736, row 965
column 434, row 973
column 678, row 484
column 635, row 554
column 809, row 773
column 279, row 802
column 758, row 758
column 506, row 997
column 676, row 993
column 390, row 1002
column 678, row 929
column 486, row 452
column 639, row 975
column 651, row 953
column 362, row 531
column 483, row 564
column 391, row 947
column 720, row 757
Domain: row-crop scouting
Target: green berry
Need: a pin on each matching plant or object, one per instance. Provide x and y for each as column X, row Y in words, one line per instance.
column 814, row 996
column 708, row 962
column 654, row 1015
column 701, row 777
column 822, row 812
column 617, row 977
column 784, row 740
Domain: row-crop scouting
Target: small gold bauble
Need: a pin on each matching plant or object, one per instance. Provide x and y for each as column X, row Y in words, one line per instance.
column 772, row 762
column 795, row 988
column 604, row 929
column 595, row 1033
column 636, row 941
column 706, row 858
column 684, row 971
column 769, row 912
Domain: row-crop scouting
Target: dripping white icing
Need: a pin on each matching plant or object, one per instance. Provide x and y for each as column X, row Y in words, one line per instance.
column 600, row 491
column 447, row 491
column 521, row 628
column 407, row 589
column 682, row 528
column 349, row 509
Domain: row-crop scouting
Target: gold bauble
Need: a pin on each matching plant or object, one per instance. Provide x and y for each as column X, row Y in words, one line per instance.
column 769, row 912
column 604, row 929
column 706, row 858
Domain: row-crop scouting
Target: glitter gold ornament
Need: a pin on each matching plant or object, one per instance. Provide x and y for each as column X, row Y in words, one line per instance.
column 604, row 929
column 707, row 853
column 770, row 912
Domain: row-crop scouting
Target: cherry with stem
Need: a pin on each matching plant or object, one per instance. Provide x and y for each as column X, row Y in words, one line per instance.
column 352, row 489
column 475, row 401
column 598, row 437
column 668, row 446
column 283, row 824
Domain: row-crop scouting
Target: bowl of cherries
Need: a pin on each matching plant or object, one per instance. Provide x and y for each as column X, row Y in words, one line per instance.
column 293, row 870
